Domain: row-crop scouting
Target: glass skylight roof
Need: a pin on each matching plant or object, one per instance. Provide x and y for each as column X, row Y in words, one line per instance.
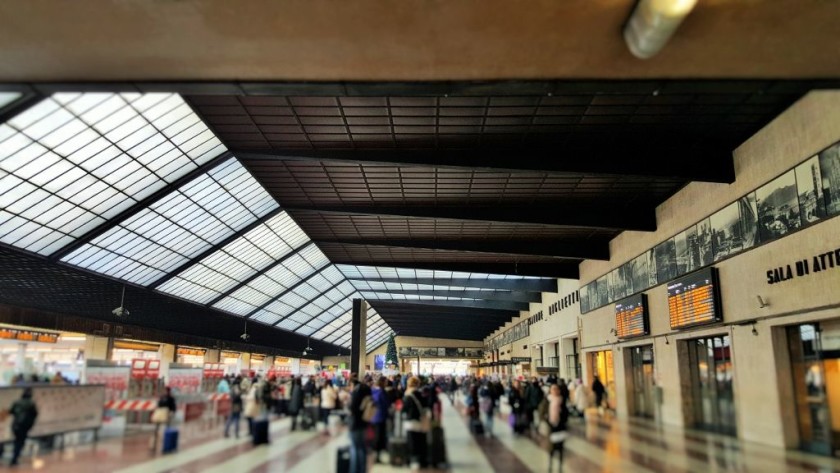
column 295, row 299
column 237, row 261
column 74, row 160
column 180, row 226
column 8, row 97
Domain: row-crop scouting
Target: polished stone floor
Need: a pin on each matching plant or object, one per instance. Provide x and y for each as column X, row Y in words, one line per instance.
column 597, row 445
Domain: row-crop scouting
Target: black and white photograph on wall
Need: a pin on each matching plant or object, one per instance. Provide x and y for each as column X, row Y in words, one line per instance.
column 627, row 275
column 704, row 242
column 692, row 242
column 682, row 252
column 639, row 273
column 584, row 298
column 749, row 220
column 666, row 261
column 650, row 256
column 830, row 171
column 778, row 207
column 809, row 186
column 602, row 291
column 617, row 287
column 727, row 234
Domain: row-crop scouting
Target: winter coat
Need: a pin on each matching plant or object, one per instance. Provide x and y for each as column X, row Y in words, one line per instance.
column 581, row 402
column 558, row 414
column 295, row 400
column 382, row 401
column 360, row 391
column 534, row 395
column 328, row 397
column 24, row 412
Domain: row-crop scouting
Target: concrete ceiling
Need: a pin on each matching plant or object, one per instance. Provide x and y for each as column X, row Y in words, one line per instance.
column 88, row 40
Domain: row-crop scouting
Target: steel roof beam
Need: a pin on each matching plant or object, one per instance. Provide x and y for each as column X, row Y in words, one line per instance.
column 567, row 270
column 585, row 249
column 638, row 218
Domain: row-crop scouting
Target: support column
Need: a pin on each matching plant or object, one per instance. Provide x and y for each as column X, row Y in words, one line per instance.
column 167, row 355
column 98, row 348
column 212, row 356
column 358, row 336
column 20, row 361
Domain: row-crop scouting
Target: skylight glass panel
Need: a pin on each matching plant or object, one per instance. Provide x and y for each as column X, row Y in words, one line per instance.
column 72, row 161
column 276, row 280
column 184, row 223
column 267, row 318
column 305, row 330
column 8, row 97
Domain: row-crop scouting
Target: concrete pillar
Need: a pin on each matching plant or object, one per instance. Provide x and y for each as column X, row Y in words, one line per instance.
column 244, row 362
column 212, row 356
column 358, row 335
column 98, row 348
column 267, row 364
column 167, row 355
column 20, row 360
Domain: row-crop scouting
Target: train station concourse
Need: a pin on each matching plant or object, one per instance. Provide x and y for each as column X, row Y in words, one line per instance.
column 582, row 236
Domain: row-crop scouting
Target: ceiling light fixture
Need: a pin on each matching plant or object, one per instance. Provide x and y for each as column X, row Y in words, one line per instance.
column 652, row 24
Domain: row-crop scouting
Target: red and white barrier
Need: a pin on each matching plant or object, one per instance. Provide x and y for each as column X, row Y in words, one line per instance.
column 132, row 405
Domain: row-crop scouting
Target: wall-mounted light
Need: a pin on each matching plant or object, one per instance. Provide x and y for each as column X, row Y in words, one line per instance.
column 762, row 302
column 613, row 331
column 652, row 24
column 754, row 331
column 666, row 341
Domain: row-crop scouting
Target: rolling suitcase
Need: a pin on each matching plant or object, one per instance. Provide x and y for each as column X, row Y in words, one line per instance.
column 343, row 460
column 170, row 440
column 437, row 448
column 398, row 445
column 476, row 427
column 260, row 432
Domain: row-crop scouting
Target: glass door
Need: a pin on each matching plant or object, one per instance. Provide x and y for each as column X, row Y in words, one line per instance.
column 641, row 376
column 710, row 363
column 811, row 384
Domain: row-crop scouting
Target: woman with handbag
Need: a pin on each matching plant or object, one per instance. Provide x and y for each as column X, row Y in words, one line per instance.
column 252, row 408
column 163, row 414
column 417, row 423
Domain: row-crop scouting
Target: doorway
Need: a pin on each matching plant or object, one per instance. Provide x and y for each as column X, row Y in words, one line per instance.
column 816, row 383
column 602, row 366
column 710, row 368
column 641, row 381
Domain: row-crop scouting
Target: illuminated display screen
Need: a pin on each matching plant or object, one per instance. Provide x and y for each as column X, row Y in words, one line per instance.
column 28, row 335
column 694, row 299
column 631, row 317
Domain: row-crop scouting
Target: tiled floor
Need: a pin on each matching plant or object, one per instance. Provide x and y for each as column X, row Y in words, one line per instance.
column 595, row 446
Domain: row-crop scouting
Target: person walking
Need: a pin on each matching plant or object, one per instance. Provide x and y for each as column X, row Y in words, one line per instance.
column 581, row 400
column 599, row 391
column 382, row 401
column 359, row 397
column 24, row 412
column 329, row 397
column 488, row 407
column 252, row 407
column 235, row 411
column 558, row 416
column 414, row 410
column 295, row 401
column 519, row 420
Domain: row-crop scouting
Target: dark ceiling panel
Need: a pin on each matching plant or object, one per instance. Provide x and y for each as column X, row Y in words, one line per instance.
column 425, row 320
column 568, row 249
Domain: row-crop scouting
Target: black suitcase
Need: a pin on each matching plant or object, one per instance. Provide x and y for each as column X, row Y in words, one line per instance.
column 437, row 448
column 476, row 427
column 342, row 464
column 398, row 451
column 260, row 436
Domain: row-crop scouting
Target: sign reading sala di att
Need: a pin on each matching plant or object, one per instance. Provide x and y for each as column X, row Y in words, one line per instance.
column 805, row 267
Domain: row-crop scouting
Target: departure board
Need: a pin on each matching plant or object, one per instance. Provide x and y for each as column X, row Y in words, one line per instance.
column 694, row 299
column 631, row 317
